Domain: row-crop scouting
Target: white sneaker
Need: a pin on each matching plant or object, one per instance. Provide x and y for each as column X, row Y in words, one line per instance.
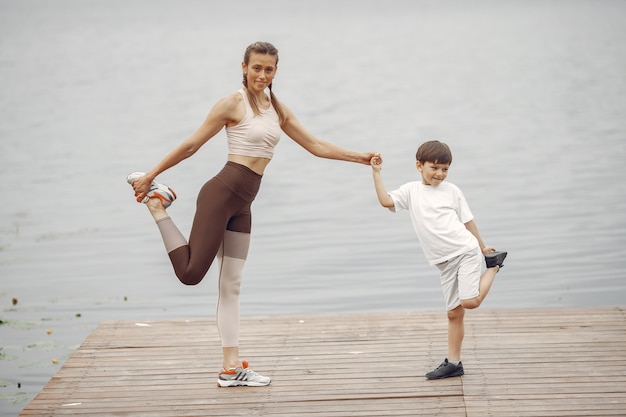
column 241, row 377
column 157, row 190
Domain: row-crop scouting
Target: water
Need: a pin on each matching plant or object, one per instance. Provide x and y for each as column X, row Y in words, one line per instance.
column 530, row 95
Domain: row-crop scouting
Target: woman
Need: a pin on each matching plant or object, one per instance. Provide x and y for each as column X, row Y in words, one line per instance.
column 221, row 226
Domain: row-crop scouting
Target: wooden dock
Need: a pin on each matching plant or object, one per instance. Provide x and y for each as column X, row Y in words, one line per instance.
column 539, row 362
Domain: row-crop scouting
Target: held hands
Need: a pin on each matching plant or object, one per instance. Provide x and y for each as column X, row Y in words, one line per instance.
column 365, row 158
column 376, row 162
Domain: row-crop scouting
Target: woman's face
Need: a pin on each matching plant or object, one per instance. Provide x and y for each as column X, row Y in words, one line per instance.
column 261, row 70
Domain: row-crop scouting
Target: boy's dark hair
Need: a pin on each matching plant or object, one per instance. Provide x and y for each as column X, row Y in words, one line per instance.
column 434, row 152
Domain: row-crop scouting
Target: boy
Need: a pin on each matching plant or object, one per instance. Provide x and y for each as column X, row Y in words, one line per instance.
column 449, row 237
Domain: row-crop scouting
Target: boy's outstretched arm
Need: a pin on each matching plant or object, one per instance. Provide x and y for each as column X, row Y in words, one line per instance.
column 471, row 226
column 386, row 201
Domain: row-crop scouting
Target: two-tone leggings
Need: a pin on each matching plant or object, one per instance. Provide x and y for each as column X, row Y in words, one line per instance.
column 220, row 230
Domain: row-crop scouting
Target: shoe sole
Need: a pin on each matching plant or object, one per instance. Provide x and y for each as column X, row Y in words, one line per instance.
column 457, row 373
column 494, row 259
column 165, row 200
column 228, row 384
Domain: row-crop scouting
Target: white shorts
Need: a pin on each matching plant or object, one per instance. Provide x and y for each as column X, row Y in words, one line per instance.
column 460, row 277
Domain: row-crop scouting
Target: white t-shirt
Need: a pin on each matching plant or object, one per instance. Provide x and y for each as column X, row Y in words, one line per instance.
column 438, row 215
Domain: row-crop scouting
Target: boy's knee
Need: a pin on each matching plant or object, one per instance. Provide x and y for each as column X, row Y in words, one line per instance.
column 471, row 303
column 457, row 313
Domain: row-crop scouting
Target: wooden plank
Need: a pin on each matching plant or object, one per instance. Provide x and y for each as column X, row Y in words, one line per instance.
column 540, row 362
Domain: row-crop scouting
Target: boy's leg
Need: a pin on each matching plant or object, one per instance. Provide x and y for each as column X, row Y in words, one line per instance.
column 452, row 365
column 456, row 332
column 450, row 287
column 474, row 287
column 456, row 328
column 486, row 281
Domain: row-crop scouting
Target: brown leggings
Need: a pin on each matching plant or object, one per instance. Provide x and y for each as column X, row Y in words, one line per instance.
column 221, row 228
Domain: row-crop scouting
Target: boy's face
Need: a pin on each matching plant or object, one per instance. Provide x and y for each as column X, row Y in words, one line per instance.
column 432, row 173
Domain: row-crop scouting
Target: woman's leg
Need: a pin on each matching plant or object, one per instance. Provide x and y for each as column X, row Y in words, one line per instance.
column 215, row 206
column 221, row 229
column 223, row 198
column 231, row 259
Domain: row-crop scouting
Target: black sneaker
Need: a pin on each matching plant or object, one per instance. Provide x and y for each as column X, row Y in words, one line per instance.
column 446, row 370
column 494, row 259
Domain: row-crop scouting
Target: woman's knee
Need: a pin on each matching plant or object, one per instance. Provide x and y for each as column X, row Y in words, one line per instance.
column 189, row 279
column 192, row 276
column 230, row 289
column 188, row 272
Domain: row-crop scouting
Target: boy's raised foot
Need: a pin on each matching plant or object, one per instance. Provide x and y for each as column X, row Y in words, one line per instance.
column 446, row 370
column 494, row 259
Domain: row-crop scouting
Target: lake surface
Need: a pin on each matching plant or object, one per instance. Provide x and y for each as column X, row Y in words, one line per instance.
column 530, row 95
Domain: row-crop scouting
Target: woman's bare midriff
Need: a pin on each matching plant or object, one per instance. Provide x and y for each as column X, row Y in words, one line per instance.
column 254, row 163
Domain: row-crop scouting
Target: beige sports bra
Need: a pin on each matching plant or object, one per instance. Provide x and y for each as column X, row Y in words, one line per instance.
column 254, row 136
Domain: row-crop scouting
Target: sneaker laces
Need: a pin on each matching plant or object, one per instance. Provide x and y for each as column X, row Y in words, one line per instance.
column 243, row 369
